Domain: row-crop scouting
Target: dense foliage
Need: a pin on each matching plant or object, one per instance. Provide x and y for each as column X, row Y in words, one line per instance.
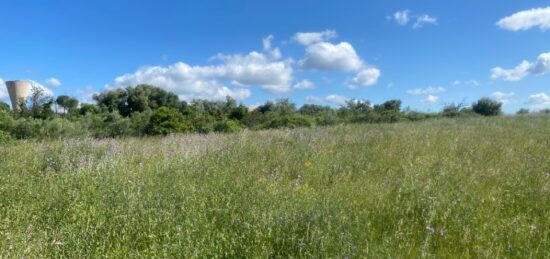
column 443, row 188
column 487, row 107
column 149, row 110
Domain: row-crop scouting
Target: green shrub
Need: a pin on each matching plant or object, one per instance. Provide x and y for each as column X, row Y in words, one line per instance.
column 227, row 126
column 487, row 107
column 290, row 122
column 27, row 128
column 165, row 121
column 4, row 107
column 4, row 137
column 522, row 111
column 60, row 127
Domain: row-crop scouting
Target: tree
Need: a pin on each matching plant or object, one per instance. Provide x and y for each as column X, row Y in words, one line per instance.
column 86, row 108
column 487, row 107
column 165, row 121
column 67, row 103
column 114, row 100
column 144, row 97
column 40, row 103
column 391, row 105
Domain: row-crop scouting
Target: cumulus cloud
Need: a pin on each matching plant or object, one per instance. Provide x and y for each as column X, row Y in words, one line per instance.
column 333, row 99
column 539, row 67
column 304, row 84
column 365, row 77
column 427, row 90
column 525, row 20
column 308, row 38
column 423, row 20
column 402, row 17
column 431, row 99
column 342, row 57
column 208, row 82
column 539, row 101
column 325, row 56
column 503, row 97
column 53, row 82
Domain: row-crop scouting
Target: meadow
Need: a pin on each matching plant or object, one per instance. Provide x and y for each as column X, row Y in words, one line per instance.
column 452, row 188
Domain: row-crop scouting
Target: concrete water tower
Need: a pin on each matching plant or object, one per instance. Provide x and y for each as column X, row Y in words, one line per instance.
column 18, row 90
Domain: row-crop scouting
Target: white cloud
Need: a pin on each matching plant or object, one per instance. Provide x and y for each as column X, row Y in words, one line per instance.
column 308, row 38
column 431, row 99
column 304, row 84
column 53, row 82
column 325, row 56
column 539, row 98
column 333, row 99
column 207, row 82
column 503, row 97
column 336, row 99
column 365, row 77
column 3, row 90
column 267, row 44
column 341, row 57
column 473, row 82
column 86, row 94
column 525, row 20
column 514, row 74
column 428, row 90
column 539, row 67
column 469, row 82
column 46, row 90
column 402, row 17
column 539, row 101
column 423, row 20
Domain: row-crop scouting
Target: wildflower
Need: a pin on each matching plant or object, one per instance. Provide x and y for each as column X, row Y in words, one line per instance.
column 308, row 165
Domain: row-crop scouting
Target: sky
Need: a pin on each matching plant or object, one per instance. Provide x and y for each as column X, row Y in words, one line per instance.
column 427, row 53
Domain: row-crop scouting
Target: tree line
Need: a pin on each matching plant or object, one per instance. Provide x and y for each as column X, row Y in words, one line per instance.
column 149, row 110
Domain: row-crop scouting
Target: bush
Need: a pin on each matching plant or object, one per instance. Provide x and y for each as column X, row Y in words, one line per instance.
column 27, row 128
column 289, row 122
column 4, row 137
column 487, row 107
column 59, row 128
column 4, row 107
column 522, row 111
column 227, row 126
column 165, row 121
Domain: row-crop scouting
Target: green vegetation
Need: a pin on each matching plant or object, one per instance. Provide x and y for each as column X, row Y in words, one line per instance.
column 444, row 188
column 148, row 110
column 487, row 107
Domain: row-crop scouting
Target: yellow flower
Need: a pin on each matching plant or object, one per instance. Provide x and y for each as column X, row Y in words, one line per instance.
column 308, row 165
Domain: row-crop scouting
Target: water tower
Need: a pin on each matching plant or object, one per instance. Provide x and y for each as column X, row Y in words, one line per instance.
column 18, row 90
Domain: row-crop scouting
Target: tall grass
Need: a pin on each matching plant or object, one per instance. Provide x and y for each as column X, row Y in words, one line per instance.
column 444, row 188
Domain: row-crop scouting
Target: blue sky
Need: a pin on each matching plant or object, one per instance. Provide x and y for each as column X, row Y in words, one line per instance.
column 427, row 53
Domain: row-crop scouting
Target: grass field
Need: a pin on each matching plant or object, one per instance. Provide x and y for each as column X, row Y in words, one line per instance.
column 465, row 188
